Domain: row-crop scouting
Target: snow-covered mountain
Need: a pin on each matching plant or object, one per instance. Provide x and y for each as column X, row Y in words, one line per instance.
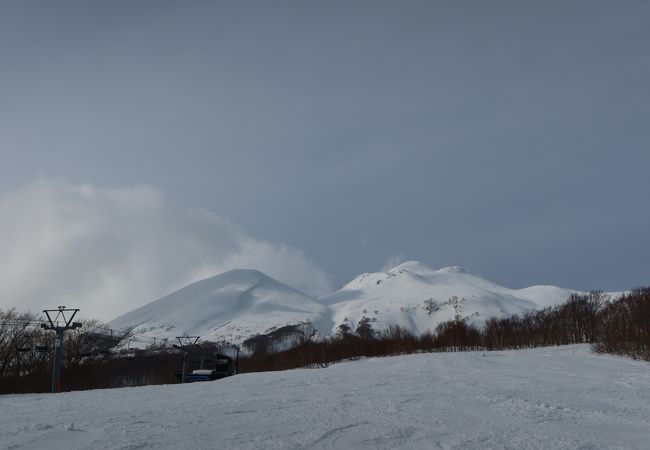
column 418, row 298
column 230, row 306
column 238, row 304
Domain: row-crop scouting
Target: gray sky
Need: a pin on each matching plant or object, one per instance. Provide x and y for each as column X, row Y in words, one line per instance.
column 508, row 137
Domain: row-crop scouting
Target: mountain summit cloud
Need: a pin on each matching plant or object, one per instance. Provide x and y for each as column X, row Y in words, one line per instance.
column 108, row 250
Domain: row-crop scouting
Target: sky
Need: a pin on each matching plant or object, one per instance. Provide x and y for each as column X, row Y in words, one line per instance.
column 146, row 144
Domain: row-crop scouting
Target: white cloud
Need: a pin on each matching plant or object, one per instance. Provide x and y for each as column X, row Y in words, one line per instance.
column 392, row 261
column 108, row 251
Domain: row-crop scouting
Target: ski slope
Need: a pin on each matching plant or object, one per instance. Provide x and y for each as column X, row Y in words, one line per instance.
column 549, row 398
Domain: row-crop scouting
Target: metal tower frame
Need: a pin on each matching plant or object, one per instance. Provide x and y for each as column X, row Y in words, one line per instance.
column 60, row 323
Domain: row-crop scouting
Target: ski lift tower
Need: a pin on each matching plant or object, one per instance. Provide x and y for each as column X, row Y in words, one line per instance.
column 186, row 343
column 60, row 322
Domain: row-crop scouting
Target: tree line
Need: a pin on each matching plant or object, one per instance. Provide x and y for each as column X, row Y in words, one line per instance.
column 26, row 350
column 92, row 359
column 619, row 326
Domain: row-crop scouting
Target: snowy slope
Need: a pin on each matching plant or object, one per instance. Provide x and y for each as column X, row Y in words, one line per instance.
column 238, row 304
column 230, row 306
column 418, row 298
column 548, row 398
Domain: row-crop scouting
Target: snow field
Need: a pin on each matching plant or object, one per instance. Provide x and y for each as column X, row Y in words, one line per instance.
column 550, row 398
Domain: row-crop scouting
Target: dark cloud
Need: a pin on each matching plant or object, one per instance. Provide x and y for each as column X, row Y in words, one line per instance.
column 509, row 137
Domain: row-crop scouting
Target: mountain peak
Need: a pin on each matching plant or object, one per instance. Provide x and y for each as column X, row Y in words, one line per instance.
column 232, row 305
column 418, row 267
column 242, row 274
column 411, row 266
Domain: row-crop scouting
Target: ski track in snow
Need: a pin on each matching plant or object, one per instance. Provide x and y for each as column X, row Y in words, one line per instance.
column 549, row 398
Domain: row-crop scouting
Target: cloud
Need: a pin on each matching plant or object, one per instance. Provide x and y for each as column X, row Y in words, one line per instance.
column 392, row 261
column 108, row 251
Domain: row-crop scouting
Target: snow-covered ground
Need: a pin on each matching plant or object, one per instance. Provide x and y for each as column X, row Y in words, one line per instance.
column 549, row 398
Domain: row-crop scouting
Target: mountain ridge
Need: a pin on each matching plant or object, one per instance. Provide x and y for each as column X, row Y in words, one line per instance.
column 242, row 303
